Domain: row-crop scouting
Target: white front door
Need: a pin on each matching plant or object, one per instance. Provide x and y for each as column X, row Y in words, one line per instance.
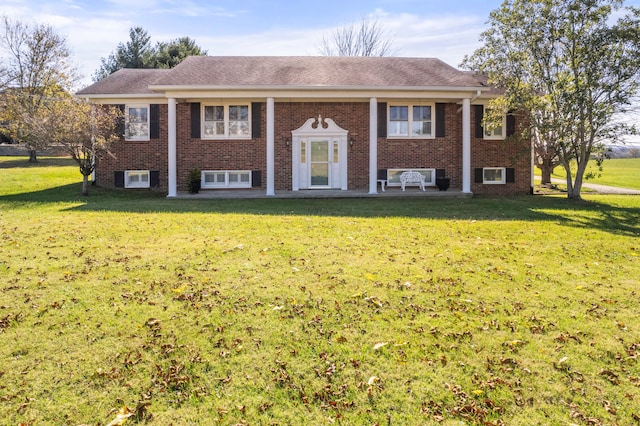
column 319, row 157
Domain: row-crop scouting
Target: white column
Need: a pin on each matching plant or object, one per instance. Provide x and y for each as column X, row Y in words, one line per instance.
column 373, row 146
column 466, row 145
column 271, row 147
column 172, row 163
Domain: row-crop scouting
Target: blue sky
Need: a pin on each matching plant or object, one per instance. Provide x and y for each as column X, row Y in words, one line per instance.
column 444, row 29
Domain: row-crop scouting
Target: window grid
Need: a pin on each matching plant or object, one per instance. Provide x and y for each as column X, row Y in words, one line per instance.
column 226, row 121
column 411, row 121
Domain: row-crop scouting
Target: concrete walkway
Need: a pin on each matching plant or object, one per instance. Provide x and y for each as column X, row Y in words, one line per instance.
column 603, row 189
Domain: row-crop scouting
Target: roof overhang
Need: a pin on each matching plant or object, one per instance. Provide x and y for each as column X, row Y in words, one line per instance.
column 316, row 92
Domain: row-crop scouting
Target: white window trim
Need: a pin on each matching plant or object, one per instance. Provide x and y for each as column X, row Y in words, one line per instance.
column 410, row 120
column 126, row 121
column 493, row 182
column 391, row 172
column 226, row 106
column 141, row 183
column 227, row 182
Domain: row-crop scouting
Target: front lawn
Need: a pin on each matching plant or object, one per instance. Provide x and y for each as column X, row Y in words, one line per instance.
column 367, row 311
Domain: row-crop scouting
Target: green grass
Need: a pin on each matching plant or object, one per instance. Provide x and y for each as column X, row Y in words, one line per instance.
column 372, row 311
column 619, row 172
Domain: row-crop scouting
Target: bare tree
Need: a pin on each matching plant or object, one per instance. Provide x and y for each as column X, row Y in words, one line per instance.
column 368, row 38
column 36, row 68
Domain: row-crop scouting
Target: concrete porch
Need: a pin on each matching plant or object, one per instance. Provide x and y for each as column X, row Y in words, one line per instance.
column 321, row 193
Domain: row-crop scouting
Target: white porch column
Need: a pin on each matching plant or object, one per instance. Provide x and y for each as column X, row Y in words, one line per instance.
column 172, row 163
column 271, row 147
column 466, row 145
column 373, row 146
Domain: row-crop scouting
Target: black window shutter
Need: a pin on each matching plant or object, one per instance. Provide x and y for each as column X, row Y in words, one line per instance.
column 118, row 179
column 382, row 174
column 154, row 178
column 256, row 178
column 478, row 175
column 120, row 122
column 382, row 119
column 195, row 120
column 511, row 125
column 154, row 121
column 441, row 173
column 440, row 120
column 256, row 120
column 511, row 175
column 479, row 113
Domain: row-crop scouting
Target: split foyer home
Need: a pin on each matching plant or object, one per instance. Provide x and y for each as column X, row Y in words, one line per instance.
column 309, row 123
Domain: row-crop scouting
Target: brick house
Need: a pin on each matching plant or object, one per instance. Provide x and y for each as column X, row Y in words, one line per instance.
column 308, row 123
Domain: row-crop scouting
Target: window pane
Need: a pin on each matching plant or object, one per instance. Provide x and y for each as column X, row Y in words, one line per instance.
column 398, row 128
column 493, row 175
column 213, row 113
column 495, row 132
column 245, row 178
column 398, row 113
column 421, row 128
column 238, row 128
column 137, row 115
column 422, row 113
column 320, row 151
column 213, row 120
column 239, row 112
column 137, row 125
column 233, row 177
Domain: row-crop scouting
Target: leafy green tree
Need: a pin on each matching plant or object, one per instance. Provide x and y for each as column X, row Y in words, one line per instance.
column 139, row 53
column 571, row 65
column 36, row 69
column 84, row 131
column 168, row 55
column 136, row 53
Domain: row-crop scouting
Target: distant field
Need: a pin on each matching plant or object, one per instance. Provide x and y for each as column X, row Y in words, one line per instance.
column 620, row 172
column 476, row 312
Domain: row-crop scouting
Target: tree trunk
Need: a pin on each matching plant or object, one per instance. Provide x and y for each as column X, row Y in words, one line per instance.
column 85, row 185
column 546, row 168
column 33, row 156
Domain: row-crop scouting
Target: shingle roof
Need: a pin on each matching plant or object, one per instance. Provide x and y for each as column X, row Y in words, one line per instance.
column 125, row 81
column 289, row 71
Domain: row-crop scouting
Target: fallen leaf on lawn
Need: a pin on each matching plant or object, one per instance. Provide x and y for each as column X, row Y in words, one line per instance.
column 373, row 380
column 277, row 308
column 123, row 414
column 380, row 345
column 179, row 289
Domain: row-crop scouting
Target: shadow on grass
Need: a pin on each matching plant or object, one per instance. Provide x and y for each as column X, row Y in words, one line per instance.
column 23, row 162
column 597, row 214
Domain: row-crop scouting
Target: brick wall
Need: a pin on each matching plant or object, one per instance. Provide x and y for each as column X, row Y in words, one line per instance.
column 438, row 153
column 137, row 155
column 508, row 153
